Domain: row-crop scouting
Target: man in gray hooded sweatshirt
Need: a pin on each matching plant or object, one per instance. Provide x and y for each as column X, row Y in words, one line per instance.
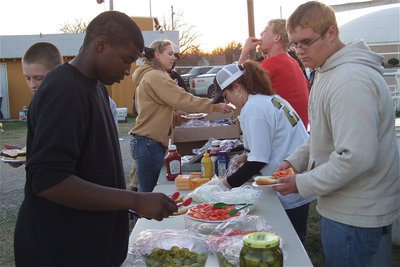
column 350, row 161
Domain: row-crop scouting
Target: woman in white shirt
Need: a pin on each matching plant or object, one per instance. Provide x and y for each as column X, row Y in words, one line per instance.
column 272, row 130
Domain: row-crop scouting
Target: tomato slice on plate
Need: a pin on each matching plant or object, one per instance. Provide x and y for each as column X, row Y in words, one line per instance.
column 207, row 212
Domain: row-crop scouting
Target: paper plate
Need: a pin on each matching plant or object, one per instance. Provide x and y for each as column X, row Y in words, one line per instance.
column 198, row 116
column 264, row 186
column 4, row 159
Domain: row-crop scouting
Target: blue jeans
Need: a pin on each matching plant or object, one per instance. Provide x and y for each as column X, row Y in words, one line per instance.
column 349, row 246
column 149, row 156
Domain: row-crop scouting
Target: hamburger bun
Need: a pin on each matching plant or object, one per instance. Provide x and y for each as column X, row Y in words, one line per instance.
column 265, row 180
column 195, row 115
column 10, row 153
column 181, row 210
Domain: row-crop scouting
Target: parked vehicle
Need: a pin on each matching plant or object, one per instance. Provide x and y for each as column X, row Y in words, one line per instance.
column 203, row 85
column 194, row 72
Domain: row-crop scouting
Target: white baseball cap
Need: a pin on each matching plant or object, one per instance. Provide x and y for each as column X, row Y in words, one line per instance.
column 225, row 77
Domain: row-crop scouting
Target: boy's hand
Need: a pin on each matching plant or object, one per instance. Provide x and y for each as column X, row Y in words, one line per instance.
column 284, row 165
column 154, row 206
column 8, row 146
column 15, row 164
column 287, row 185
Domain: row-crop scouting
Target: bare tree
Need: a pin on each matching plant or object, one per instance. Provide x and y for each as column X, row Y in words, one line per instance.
column 78, row 26
column 188, row 35
column 231, row 51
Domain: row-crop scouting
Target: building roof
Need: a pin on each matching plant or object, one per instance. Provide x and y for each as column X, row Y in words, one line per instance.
column 14, row 46
column 379, row 27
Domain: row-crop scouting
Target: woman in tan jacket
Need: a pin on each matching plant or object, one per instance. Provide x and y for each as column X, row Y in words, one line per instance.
column 156, row 95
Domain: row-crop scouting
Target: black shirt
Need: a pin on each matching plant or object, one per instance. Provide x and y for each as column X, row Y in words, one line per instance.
column 71, row 131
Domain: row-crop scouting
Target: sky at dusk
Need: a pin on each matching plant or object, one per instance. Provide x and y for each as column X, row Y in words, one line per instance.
column 218, row 22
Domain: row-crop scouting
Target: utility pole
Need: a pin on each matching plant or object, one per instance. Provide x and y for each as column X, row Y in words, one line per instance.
column 111, row 3
column 172, row 18
column 250, row 17
column 150, row 8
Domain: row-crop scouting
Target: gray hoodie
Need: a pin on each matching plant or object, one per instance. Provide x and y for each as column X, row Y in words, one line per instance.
column 351, row 154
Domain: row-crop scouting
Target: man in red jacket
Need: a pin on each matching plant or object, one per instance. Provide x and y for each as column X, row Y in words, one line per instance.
column 286, row 76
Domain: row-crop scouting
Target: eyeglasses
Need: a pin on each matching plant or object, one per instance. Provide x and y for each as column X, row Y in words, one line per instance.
column 294, row 46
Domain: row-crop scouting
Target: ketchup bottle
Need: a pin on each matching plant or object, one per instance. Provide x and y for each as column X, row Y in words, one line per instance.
column 172, row 163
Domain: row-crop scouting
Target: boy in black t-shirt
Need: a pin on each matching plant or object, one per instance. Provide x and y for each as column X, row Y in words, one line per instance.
column 75, row 211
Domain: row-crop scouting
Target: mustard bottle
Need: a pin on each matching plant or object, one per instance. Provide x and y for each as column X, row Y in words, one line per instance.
column 206, row 166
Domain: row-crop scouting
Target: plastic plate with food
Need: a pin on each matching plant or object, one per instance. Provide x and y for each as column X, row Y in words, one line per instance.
column 192, row 116
column 205, row 212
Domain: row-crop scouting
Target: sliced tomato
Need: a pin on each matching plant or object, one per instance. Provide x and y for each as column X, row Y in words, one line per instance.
column 283, row 173
column 207, row 212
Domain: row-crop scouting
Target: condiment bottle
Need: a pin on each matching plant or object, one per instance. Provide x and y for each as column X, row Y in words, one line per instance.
column 23, row 114
column 172, row 163
column 214, row 153
column 261, row 249
column 222, row 163
column 206, row 166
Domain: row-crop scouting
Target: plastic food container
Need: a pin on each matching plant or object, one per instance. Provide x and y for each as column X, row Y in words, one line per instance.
column 227, row 240
column 261, row 249
column 175, row 256
column 171, row 248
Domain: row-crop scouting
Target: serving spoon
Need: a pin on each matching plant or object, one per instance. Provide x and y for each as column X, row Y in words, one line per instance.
column 234, row 211
column 220, row 205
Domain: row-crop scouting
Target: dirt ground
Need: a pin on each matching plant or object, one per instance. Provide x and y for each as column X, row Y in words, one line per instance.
column 12, row 180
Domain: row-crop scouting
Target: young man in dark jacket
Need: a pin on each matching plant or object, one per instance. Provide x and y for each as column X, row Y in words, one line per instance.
column 75, row 211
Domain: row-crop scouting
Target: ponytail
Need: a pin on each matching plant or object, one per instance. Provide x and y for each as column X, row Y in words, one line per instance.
column 255, row 79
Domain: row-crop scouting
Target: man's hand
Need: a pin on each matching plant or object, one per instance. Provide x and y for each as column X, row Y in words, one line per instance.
column 225, row 108
column 251, row 43
column 288, row 185
column 154, row 206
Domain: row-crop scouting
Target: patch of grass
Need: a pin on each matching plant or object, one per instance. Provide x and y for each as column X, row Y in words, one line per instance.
column 7, row 222
column 14, row 131
column 396, row 255
column 125, row 127
column 313, row 241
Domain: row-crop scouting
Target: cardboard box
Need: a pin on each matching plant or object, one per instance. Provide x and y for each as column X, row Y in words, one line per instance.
column 186, row 139
column 215, row 116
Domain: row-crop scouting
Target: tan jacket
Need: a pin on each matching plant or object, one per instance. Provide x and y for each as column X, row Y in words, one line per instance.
column 156, row 95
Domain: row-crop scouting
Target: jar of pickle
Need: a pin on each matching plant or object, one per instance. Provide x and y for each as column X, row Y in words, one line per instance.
column 261, row 249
